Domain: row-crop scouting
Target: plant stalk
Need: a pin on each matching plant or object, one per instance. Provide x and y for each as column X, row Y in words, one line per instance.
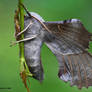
column 24, row 71
column 21, row 45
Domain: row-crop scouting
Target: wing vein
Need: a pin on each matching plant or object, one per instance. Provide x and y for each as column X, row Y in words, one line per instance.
column 84, row 71
column 79, row 74
column 71, row 67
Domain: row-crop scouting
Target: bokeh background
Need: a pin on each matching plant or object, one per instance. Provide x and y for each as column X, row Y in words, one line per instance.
column 50, row 10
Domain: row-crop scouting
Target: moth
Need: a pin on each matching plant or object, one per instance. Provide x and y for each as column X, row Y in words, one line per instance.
column 69, row 42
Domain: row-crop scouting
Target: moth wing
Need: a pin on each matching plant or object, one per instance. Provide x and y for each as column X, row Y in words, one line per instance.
column 69, row 41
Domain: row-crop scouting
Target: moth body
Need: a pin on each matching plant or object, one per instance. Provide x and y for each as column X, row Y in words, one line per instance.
column 68, row 41
column 32, row 48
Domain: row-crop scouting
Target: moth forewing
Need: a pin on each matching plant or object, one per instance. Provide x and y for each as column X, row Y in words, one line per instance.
column 70, row 42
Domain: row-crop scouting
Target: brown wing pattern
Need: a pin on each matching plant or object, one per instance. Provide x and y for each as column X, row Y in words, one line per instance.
column 71, row 33
column 69, row 41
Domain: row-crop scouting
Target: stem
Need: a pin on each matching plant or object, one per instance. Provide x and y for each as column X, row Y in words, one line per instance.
column 21, row 45
column 21, row 28
column 24, row 71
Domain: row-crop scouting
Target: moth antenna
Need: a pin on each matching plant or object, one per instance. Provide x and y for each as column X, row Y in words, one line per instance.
column 42, row 24
column 26, row 9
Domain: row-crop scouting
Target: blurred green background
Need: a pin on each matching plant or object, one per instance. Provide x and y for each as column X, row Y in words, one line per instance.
column 50, row 10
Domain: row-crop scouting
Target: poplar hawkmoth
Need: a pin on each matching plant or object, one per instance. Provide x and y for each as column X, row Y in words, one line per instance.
column 69, row 42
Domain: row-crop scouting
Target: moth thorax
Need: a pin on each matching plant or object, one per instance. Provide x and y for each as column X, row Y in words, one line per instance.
column 37, row 16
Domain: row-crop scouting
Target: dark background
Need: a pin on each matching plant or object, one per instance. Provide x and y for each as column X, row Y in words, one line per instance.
column 50, row 10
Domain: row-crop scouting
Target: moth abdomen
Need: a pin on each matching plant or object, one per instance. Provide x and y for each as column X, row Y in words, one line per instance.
column 37, row 72
column 32, row 56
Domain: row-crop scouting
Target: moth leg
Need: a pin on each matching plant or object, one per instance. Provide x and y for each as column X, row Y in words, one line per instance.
column 24, row 29
column 29, row 75
column 26, row 39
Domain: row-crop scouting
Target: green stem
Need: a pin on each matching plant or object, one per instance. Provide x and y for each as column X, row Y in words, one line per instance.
column 22, row 27
column 24, row 71
column 21, row 45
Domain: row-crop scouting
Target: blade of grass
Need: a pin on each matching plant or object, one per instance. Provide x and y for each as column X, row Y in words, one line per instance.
column 21, row 45
column 24, row 71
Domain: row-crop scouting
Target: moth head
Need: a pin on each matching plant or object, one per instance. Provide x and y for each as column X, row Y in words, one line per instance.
column 36, row 15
